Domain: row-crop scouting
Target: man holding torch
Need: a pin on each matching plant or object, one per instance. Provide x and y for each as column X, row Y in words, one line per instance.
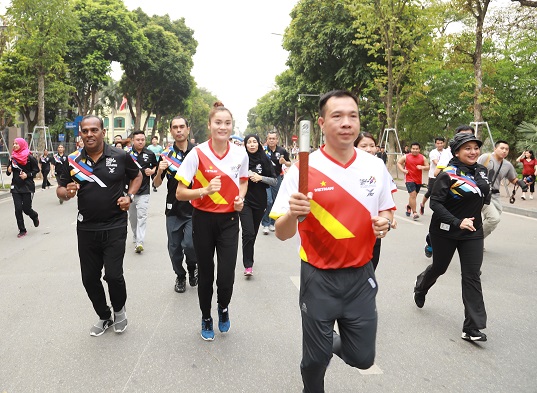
column 345, row 206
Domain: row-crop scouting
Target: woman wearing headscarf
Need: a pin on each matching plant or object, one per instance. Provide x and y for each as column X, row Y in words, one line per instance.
column 457, row 198
column 24, row 168
column 261, row 175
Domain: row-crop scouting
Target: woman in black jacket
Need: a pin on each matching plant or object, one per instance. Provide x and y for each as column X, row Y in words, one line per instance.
column 262, row 175
column 24, row 168
column 45, row 161
column 456, row 200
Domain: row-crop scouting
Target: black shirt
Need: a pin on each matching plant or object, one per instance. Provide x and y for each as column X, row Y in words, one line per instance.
column 173, row 206
column 19, row 185
column 145, row 159
column 60, row 162
column 256, row 197
column 275, row 155
column 456, row 196
column 102, row 183
column 45, row 163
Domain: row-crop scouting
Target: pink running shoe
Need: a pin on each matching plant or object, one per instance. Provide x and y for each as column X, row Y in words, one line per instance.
column 248, row 272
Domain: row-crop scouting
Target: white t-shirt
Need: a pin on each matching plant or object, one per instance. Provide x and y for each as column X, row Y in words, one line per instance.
column 202, row 165
column 434, row 155
column 444, row 158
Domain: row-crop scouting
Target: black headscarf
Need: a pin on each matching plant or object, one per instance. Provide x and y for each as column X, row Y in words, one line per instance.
column 258, row 158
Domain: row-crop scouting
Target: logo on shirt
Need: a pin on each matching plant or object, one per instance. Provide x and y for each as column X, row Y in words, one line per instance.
column 211, row 170
column 235, row 170
column 370, row 182
column 370, row 192
column 323, row 187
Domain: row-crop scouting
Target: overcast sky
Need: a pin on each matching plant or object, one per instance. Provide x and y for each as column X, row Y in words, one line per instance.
column 238, row 56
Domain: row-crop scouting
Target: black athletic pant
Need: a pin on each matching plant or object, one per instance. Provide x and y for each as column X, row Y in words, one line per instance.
column 376, row 253
column 250, row 221
column 23, row 203
column 471, row 258
column 98, row 249
column 45, row 183
column 343, row 295
column 218, row 231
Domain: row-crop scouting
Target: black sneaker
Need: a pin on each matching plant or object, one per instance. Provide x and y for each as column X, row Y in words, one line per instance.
column 21, row 234
column 154, row 189
column 193, row 278
column 36, row 221
column 180, row 284
column 408, row 210
column 428, row 251
column 419, row 298
column 473, row 335
column 422, row 209
column 223, row 319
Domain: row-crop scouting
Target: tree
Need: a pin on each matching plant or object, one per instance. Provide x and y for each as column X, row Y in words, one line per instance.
column 321, row 48
column 162, row 76
column 42, row 29
column 108, row 34
column 200, row 103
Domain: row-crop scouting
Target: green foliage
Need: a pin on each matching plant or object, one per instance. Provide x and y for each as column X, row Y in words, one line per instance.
column 160, row 82
column 321, row 49
column 199, row 106
column 108, row 34
column 527, row 137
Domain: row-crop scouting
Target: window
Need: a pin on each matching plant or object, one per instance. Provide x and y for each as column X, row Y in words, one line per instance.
column 119, row 122
column 151, row 122
column 106, row 122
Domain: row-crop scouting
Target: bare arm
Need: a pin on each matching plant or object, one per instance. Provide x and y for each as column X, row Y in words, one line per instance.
column 400, row 163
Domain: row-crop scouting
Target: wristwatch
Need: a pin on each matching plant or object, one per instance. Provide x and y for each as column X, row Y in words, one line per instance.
column 131, row 196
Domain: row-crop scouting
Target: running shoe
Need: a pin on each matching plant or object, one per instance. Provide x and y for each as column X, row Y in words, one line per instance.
column 120, row 320
column 180, row 285
column 419, row 296
column 473, row 335
column 265, row 231
column 207, row 332
column 248, row 272
column 523, row 197
column 36, row 222
column 422, row 209
column 100, row 327
column 223, row 319
column 416, row 217
column 21, row 234
column 139, row 248
column 408, row 210
column 428, row 251
column 193, row 278
column 272, row 228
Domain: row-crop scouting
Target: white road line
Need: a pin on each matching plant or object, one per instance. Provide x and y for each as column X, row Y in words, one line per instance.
column 374, row 369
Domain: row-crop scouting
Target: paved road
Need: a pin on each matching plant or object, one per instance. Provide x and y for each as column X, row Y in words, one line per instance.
column 45, row 317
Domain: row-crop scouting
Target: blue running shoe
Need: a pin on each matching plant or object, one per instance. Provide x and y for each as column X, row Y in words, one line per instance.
column 207, row 332
column 428, row 251
column 223, row 319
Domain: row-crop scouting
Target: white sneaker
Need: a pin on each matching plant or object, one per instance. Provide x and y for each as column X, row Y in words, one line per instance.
column 272, row 228
column 531, row 196
column 265, row 230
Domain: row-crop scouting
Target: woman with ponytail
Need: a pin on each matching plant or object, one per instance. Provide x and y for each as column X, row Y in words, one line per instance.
column 218, row 173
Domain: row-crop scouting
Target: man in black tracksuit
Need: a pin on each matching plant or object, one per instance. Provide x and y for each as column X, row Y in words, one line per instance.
column 178, row 213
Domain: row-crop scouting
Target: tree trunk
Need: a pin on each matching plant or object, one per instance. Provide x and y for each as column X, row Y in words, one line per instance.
column 478, row 73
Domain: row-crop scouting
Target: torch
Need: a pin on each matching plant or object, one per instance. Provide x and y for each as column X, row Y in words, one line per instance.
column 303, row 156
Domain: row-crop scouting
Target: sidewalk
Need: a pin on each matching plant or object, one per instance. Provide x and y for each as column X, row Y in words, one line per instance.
column 524, row 208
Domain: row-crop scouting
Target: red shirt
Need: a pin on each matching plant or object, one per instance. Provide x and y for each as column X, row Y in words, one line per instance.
column 529, row 166
column 414, row 174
